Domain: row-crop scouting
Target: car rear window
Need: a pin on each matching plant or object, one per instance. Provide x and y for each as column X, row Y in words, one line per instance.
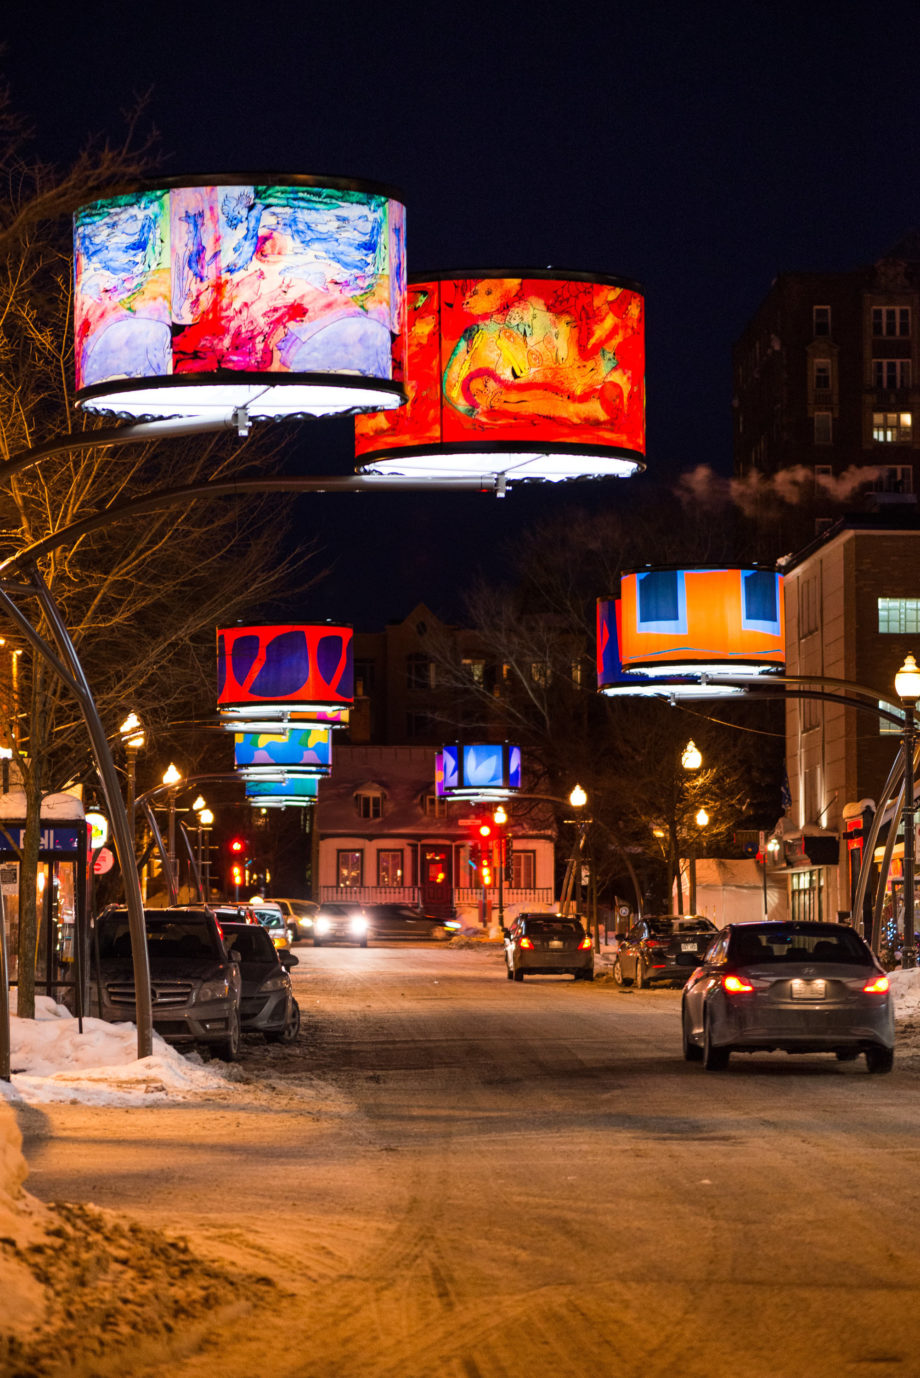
column 179, row 937
column 251, row 941
column 562, row 926
column 782, row 943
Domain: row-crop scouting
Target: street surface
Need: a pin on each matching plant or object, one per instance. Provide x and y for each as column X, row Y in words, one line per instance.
column 456, row 1176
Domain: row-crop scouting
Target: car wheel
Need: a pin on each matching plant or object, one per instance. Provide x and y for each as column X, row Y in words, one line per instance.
column 715, row 1059
column 847, row 1054
column 692, row 1051
column 291, row 1029
column 880, row 1059
column 519, row 974
column 618, row 976
column 229, row 1048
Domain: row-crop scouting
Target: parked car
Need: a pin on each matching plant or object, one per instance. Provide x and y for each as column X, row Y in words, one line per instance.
column 340, row 923
column 299, row 915
column 271, row 918
column 662, row 947
column 796, row 987
column 267, row 1004
column 195, row 983
column 549, row 945
column 387, row 921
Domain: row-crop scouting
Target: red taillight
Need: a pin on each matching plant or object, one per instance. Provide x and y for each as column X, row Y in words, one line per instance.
column 525, row 942
column 585, row 944
column 735, row 985
column 653, row 942
column 877, row 986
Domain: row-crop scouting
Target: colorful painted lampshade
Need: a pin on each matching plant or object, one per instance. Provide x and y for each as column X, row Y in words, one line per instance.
column 690, row 623
column 303, row 752
column 283, row 298
column 288, row 674
column 283, row 793
column 478, row 771
column 530, row 374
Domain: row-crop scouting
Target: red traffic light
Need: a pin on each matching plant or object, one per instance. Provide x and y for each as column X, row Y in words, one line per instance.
column 238, row 844
column 485, row 830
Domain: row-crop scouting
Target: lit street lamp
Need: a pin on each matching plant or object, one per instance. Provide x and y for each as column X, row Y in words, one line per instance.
column 172, row 777
column 907, row 688
column 133, row 738
column 701, row 820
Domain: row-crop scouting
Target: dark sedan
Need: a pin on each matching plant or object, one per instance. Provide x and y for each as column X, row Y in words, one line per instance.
column 791, row 987
column 548, row 945
column 662, row 947
column 398, row 921
column 267, row 1004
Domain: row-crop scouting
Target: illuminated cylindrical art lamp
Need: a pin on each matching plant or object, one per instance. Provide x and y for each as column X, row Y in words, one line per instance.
column 478, row 771
column 274, row 677
column 300, row 752
column 283, row 793
column 692, row 623
column 530, row 374
column 281, row 298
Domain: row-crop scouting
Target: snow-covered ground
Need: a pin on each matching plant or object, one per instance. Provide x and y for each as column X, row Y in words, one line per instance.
column 52, row 1061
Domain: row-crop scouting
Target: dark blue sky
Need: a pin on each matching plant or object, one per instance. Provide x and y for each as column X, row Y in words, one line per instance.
column 700, row 148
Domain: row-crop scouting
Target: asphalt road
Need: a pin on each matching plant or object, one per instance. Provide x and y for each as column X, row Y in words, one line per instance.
column 458, row 1176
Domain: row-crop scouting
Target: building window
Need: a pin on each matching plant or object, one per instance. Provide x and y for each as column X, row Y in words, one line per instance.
column 899, row 616
column 364, row 679
column 419, row 725
column 476, row 669
column 434, row 805
column 811, row 715
column 523, row 870
column 891, row 373
column 540, row 672
column 760, row 601
column 824, row 427
column 897, row 478
column 576, row 669
column 420, row 672
column 369, row 804
column 886, row 728
column 390, row 867
column 891, row 320
column 349, row 869
column 662, row 601
column 822, row 375
column 808, row 607
column 891, row 427
column 821, row 319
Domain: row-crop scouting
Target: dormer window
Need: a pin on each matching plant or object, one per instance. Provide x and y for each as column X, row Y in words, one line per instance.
column 369, row 801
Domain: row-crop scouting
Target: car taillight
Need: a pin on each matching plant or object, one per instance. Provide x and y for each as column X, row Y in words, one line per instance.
column 525, row 942
column 653, row 942
column 585, row 944
column 877, row 986
column 735, row 985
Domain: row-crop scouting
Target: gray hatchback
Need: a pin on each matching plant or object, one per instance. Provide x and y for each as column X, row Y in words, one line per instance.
column 791, row 987
column 548, row 945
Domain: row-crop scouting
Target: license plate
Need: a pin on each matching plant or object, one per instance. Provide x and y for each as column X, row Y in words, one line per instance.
column 556, row 942
column 809, row 990
column 688, row 947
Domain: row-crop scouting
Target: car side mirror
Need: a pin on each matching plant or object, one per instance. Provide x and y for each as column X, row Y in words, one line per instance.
column 287, row 959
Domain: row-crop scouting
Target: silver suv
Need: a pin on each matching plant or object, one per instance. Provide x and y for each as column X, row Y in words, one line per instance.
column 195, row 983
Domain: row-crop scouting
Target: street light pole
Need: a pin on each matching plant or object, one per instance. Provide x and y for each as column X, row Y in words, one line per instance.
column 907, row 685
column 172, row 778
column 501, row 819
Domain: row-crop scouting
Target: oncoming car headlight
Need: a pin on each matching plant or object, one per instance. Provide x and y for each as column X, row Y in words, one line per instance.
column 357, row 923
column 322, row 925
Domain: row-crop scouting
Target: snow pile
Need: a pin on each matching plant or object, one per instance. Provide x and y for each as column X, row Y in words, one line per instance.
column 52, row 1061
column 21, row 1226
column 905, row 988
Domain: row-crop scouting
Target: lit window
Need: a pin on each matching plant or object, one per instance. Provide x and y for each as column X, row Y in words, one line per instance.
column 540, row 672
column 823, row 428
column 476, row 669
column 576, row 671
column 390, row 867
column 891, row 427
column 822, row 375
column 349, row 869
column 899, row 615
column 821, row 317
column 891, row 373
column 891, row 320
column 886, row 728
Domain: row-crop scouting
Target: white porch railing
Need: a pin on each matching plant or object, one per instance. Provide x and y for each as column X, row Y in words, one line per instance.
column 371, row 894
column 542, row 897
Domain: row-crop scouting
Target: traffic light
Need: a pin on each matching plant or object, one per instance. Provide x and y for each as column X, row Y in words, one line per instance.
column 237, row 845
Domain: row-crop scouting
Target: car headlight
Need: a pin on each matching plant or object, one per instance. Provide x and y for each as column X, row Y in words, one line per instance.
column 305, row 923
column 322, row 925
column 214, row 990
column 357, row 923
column 274, row 983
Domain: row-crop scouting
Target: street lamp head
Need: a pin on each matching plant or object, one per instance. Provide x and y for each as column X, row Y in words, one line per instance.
column 171, row 776
column 690, row 757
column 907, row 681
column 500, row 817
column 132, row 733
column 205, row 818
column 198, row 804
column 578, row 798
column 702, row 818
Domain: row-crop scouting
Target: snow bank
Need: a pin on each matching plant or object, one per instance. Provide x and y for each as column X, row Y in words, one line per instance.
column 905, row 987
column 52, row 1061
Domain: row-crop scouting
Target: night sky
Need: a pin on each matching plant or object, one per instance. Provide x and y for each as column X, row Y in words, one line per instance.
column 698, row 148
